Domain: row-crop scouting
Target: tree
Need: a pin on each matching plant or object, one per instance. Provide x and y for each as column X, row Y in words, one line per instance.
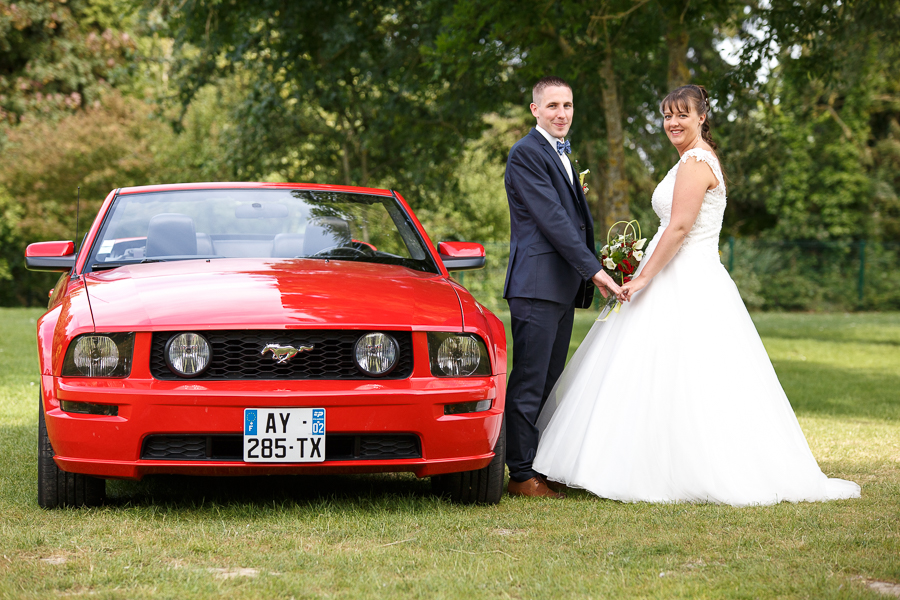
column 810, row 149
column 57, row 57
column 616, row 54
column 342, row 97
column 117, row 144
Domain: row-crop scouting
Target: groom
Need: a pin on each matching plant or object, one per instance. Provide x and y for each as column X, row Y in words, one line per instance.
column 551, row 257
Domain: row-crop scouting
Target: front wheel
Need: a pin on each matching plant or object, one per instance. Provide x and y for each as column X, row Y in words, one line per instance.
column 482, row 486
column 57, row 488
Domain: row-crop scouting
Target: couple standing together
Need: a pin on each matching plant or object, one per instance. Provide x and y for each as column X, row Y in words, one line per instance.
column 671, row 399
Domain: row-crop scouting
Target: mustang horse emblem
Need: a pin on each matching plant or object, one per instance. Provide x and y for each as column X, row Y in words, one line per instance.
column 282, row 354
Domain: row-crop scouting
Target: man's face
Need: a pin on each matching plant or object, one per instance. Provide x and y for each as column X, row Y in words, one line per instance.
column 554, row 115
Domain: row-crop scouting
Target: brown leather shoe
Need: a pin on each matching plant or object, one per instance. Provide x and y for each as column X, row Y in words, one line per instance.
column 534, row 487
column 559, row 488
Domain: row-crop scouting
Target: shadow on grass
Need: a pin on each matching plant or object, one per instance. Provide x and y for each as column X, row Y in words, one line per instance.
column 377, row 492
column 824, row 390
column 18, row 483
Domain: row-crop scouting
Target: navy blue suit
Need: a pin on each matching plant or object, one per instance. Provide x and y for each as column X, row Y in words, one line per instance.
column 551, row 254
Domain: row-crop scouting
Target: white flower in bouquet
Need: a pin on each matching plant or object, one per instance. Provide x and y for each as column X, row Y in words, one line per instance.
column 605, row 250
column 638, row 245
column 638, row 255
column 609, row 263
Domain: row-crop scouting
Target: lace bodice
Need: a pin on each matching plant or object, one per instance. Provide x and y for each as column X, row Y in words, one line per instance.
column 705, row 232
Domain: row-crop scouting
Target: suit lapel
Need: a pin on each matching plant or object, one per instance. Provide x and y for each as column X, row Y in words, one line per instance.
column 580, row 201
column 554, row 155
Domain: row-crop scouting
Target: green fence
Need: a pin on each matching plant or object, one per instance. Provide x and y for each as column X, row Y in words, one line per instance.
column 771, row 275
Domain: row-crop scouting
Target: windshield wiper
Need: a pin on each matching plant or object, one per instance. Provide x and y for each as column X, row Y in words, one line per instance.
column 113, row 265
column 125, row 263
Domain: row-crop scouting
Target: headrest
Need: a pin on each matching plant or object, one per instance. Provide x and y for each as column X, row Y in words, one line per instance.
column 171, row 234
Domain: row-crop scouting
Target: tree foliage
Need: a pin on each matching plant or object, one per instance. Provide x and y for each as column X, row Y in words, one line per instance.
column 427, row 96
column 117, row 144
column 808, row 147
column 618, row 55
column 59, row 56
column 334, row 91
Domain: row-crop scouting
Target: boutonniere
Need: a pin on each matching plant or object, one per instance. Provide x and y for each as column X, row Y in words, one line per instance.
column 581, row 176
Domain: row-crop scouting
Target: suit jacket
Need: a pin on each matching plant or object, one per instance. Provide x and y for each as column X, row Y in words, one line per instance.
column 551, row 247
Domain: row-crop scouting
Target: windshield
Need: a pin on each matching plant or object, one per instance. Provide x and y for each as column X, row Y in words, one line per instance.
column 271, row 224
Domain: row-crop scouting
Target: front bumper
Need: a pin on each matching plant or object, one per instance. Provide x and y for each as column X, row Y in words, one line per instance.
column 110, row 447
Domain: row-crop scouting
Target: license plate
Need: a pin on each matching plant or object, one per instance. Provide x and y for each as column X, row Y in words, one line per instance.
column 284, row 434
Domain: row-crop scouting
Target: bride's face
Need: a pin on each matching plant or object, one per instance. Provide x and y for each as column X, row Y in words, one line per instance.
column 682, row 128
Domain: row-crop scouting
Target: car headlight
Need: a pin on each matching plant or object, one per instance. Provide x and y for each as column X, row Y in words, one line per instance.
column 188, row 354
column 458, row 355
column 376, row 354
column 99, row 355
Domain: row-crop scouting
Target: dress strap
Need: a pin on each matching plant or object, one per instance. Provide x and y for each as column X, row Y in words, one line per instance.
column 705, row 156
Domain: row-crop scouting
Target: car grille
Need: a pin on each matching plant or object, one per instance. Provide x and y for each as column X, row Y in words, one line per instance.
column 229, row 447
column 236, row 355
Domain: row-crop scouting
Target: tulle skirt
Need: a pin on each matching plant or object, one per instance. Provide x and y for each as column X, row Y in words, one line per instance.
column 674, row 399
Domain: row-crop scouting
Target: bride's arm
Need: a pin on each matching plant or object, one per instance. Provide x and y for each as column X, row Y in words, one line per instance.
column 693, row 179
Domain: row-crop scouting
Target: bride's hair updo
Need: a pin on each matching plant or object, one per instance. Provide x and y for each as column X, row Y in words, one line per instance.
column 691, row 96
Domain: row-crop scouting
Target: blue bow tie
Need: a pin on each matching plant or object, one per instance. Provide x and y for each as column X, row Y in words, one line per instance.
column 564, row 147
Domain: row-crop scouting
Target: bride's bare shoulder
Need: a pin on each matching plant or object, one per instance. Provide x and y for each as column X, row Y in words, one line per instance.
column 700, row 168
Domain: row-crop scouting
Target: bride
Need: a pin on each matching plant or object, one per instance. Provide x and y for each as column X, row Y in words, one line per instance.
column 702, row 418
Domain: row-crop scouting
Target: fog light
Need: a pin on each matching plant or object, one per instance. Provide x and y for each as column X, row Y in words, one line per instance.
column 188, row 354
column 461, row 408
column 89, row 408
column 376, row 354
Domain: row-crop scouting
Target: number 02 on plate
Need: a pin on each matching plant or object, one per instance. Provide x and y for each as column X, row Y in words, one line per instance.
column 284, row 434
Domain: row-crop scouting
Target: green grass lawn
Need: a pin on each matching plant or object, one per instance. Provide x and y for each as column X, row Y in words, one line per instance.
column 386, row 536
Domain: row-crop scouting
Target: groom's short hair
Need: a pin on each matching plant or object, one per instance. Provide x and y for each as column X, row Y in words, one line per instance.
column 537, row 92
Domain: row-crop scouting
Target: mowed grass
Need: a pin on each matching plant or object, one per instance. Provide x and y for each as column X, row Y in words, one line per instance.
column 387, row 537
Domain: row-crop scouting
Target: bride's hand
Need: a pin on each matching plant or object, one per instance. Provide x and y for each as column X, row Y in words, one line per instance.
column 629, row 289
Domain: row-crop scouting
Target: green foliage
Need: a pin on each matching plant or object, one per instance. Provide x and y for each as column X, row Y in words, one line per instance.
column 10, row 217
column 821, row 190
column 479, row 211
column 811, row 152
column 815, row 276
column 57, row 57
column 117, row 144
column 494, row 55
column 343, row 97
column 428, row 96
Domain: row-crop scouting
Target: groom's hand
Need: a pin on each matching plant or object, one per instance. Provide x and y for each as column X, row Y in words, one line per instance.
column 604, row 282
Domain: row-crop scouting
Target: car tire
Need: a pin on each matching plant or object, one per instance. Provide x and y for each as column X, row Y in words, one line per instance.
column 482, row 486
column 57, row 488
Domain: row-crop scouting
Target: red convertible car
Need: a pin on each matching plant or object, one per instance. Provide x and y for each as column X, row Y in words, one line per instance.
column 256, row 328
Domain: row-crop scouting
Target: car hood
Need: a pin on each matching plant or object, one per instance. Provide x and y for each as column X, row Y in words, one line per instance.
column 252, row 293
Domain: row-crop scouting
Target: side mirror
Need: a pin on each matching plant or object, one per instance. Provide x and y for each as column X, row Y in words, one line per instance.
column 460, row 256
column 50, row 256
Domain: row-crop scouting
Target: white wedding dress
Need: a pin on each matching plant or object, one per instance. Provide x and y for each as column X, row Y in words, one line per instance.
column 674, row 399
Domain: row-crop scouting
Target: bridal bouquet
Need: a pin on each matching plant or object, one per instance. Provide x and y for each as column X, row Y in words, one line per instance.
column 621, row 257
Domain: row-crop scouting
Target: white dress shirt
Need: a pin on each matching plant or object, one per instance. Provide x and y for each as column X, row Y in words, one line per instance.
column 563, row 157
